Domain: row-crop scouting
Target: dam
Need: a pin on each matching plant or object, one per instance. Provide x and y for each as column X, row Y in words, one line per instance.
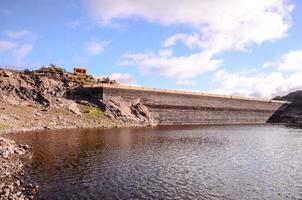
column 170, row 107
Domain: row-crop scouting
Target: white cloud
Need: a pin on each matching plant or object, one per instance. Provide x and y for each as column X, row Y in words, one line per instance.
column 96, row 48
column 182, row 67
column 14, row 49
column 186, row 82
column 217, row 26
column 7, row 45
column 190, row 41
column 18, row 34
column 165, row 52
column 259, row 85
column 269, row 64
column 292, row 61
column 285, row 77
column 123, row 78
column 22, row 51
column 223, row 25
column 17, row 51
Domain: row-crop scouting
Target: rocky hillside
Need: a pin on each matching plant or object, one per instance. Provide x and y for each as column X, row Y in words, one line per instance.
column 41, row 86
column 291, row 113
column 54, row 98
column 12, row 159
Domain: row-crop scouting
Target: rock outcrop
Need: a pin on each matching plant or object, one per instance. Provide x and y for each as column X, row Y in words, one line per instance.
column 42, row 86
column 290, row 113
column 129, row 112
column 58, row 92
column 12, row 157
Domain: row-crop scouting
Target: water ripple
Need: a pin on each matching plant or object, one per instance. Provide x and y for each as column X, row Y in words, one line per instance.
column 212, row 162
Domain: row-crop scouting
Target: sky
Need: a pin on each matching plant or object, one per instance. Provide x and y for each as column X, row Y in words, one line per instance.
column 235, row 47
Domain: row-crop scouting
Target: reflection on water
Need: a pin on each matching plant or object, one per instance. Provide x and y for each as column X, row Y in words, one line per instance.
column 187, row 162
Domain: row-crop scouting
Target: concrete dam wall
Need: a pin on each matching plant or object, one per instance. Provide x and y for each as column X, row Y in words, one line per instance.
column 182, row 107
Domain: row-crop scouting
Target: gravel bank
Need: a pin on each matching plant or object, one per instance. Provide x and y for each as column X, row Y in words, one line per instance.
column 12, row 159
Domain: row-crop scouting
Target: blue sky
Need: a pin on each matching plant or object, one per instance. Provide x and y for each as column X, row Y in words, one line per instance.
column 240, row 47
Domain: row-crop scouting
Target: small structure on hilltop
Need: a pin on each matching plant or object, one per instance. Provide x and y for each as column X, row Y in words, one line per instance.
column 80, row 71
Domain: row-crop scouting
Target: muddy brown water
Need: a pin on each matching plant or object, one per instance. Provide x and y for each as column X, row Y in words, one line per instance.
column 175, row 162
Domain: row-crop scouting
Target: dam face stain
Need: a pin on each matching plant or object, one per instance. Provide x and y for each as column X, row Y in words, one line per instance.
column 186, row 162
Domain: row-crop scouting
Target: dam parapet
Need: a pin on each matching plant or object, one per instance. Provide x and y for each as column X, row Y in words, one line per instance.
column 187, row 107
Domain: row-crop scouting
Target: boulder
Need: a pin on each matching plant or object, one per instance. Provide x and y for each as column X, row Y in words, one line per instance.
column 128, row 112
column 74, row 109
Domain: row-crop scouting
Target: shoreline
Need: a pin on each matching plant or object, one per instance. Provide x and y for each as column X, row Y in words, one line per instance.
column 16, row 118
column 39, row 129
column 13, row 158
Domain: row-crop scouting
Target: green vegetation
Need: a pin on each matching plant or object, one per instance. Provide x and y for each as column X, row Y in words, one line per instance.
column 34, row 105
column 3, row 126
column 278, row 98
column 2, row 74
column 51, row 69
column 93, row 111
column 114, row 124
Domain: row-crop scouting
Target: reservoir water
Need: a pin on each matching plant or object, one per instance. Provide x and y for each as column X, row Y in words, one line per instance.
column 174, row 162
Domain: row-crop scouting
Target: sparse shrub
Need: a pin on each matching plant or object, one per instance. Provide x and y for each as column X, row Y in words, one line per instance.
column 93, row 111
column 51, row 69
column 2, row 74
column 3, row 126
column 114, row 124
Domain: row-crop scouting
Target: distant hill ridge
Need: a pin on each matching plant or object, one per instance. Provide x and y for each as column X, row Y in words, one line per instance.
column 291, row 113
